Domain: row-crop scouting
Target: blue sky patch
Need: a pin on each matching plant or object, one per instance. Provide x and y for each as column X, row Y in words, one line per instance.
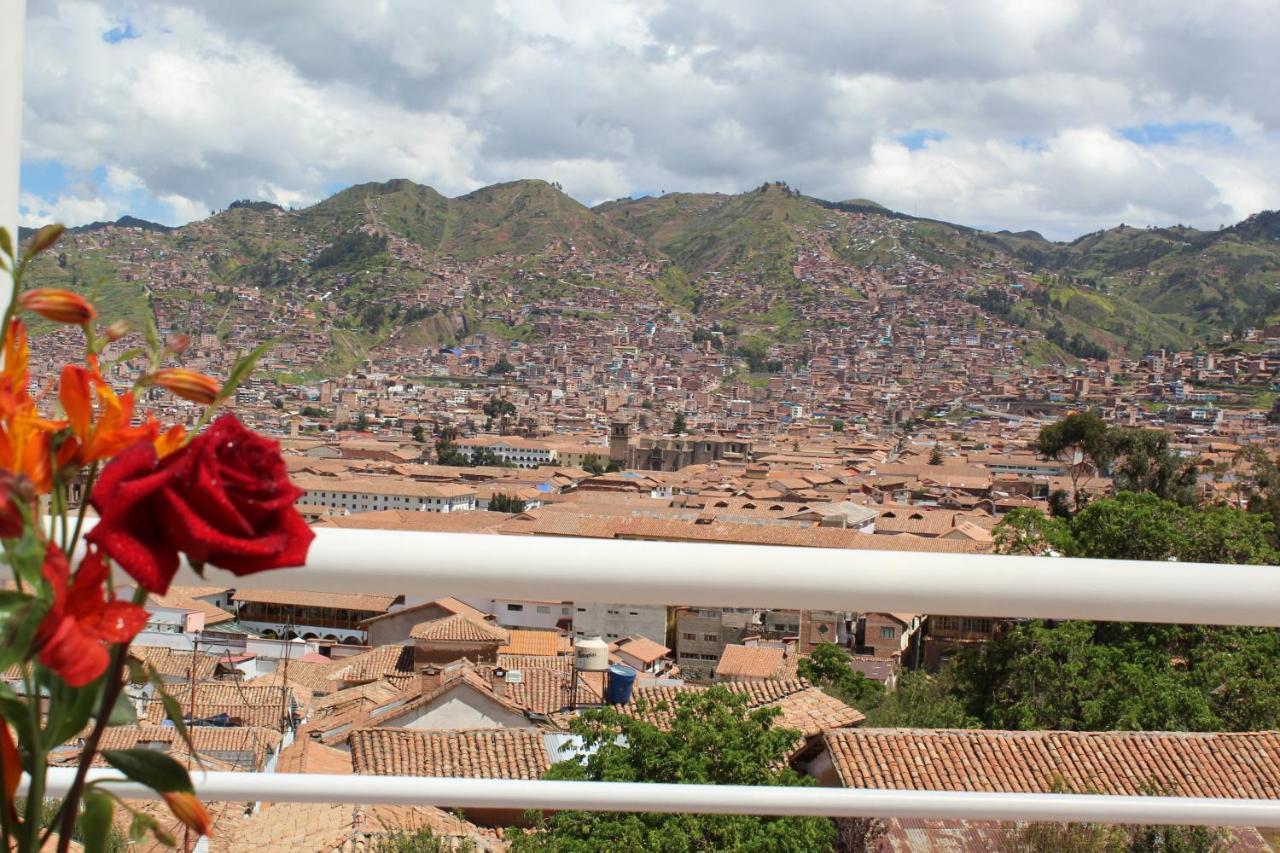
column 1171, row 133
column 121, row 31
column 920, row 137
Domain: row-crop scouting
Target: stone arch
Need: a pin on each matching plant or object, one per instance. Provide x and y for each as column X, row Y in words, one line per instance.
column 269, row 634
column 352, row 641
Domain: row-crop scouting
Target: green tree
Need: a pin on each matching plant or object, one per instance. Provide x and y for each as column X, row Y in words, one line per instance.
column 419, row 434
column 505, row 503
column 421, row 841
column 1117, row 675
column 924, row 701
column 679, row 425
column 593, row 464
column 1144, row 463
column 1077, row 440
column 712, row 740
column 935, row 456
column 830, row 667
column 837, row 425
column 502, row 366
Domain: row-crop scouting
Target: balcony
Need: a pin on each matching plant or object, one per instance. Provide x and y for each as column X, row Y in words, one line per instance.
column 715, row 575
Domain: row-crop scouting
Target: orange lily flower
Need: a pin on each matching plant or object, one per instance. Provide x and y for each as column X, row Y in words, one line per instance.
column 170, row 440
column 111, row 432
column 60, row 306
column 190, row 811
column 24, row 435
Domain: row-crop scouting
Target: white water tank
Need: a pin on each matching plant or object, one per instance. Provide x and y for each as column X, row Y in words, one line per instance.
column 591, row 654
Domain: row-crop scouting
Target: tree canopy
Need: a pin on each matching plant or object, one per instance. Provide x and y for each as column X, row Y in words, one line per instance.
column 1079, row 675
column 713, row 739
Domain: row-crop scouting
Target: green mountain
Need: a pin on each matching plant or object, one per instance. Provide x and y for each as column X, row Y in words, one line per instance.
column 400, row 263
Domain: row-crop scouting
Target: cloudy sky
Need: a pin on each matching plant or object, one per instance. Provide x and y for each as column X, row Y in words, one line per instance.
column 1060, row 115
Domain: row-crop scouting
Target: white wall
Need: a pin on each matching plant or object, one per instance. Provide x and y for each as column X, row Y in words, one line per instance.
column 461, row 709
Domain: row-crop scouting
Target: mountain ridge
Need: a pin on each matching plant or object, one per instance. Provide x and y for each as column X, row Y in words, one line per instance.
column 769, row 263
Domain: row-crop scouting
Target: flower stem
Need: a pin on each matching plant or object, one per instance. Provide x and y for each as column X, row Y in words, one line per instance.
column 35, row 793
column 84, row 503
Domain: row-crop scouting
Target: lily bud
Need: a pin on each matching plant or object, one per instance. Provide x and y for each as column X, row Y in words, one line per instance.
column 45, row 237
column 116, row 330
column 60, row 306
column 188, row 384
column 190, row 811
column 177, row 342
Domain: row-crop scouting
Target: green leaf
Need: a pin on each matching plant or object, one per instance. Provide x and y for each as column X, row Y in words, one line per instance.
column 71, row 707
column 95, row 821
column 6, row 242
column 139, row 826
column 153, row 336
column 11, row 598
column 17, row 631
column 173, row 712
column 128, row 354
column 153, row 769
column 26, row 556
column 243, row 368
column 123, row 714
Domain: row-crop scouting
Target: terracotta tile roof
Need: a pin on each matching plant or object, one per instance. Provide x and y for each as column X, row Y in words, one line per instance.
column 370, row 694
column 472, row 754
column 559, row 663
column 336, row 827
column 754, row 662
column 210, row 741
column 183, row 598
column 300, row 598
column 540, row 643
column 308, row 755
column 642, row 648
column 608, row 527
column 803, row 706
column 303, row 676
column 265, row 706
column 381, row 662
column 171, row 662
column 459, row 628
column 911, row 835
column 402, row 519
column 1232, row 765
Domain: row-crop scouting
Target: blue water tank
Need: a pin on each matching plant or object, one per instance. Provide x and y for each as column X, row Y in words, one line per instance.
column 621, row 679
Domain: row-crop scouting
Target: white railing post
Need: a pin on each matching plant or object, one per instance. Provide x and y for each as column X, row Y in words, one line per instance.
column 12, row 24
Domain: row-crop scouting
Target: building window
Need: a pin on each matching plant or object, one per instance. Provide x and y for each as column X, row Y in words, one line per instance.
column 515, row 608
column 633, row 612
column 688, row 636
column 888, row 633
column 710, row 638
column 542, row 609
column 582, row 610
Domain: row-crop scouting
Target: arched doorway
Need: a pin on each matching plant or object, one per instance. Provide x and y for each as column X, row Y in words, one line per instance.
column 352, row 641
column 309, row 636
column 269, row 634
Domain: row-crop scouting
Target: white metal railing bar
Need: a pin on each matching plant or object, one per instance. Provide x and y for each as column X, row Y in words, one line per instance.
column 713, row 574
column 705, row 799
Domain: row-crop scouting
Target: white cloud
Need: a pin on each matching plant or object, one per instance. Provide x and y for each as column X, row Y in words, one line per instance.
column 213, row 102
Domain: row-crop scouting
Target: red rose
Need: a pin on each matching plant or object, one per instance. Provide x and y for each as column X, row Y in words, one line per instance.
column 224, row 499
